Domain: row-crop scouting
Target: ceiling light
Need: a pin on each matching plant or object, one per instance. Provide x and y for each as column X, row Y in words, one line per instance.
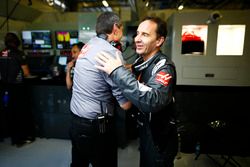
column 57, row 2
column 105, row 3
column 63, row 6
column 50, row 2
column 180, row 7
column 85, row 4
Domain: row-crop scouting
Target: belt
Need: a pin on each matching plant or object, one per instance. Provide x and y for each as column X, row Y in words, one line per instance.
column 83, row 120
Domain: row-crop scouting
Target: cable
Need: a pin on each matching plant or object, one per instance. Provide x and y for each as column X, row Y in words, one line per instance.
column 8, row 15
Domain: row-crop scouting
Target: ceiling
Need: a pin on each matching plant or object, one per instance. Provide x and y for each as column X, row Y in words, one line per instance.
column 28, row 10
column 96, row 5
column 90, row 5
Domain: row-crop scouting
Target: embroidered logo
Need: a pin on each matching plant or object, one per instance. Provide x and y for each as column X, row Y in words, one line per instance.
column 85, row 48
column 5, row 53
column 163, row 78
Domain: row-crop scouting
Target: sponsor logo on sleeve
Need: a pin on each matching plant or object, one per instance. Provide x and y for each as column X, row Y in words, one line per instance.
column 5, row 53
column 163, row 78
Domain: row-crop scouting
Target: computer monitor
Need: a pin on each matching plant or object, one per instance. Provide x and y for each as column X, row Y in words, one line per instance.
column 62, row 60
column 65, row 39
column 40, row 65
column 36, row 39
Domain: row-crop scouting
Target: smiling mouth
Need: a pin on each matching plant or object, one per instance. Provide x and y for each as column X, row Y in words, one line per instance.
column 139, row 46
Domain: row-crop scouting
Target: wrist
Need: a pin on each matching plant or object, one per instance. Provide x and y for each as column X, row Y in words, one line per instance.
column 115, row 70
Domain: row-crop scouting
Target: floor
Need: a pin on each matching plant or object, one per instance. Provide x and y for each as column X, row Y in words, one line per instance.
column 56, row 153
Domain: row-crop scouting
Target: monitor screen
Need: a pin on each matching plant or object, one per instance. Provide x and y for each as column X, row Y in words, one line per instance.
column 36, row 39
column 62, row 60
column 65, row 39
column 40, row 65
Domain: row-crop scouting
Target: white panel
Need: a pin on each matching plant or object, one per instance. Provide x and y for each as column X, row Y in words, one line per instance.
column 209, row 73
column 230, row 40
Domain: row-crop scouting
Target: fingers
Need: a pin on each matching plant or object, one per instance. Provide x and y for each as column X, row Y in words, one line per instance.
column 102, row 64
column 107, row 62
column 99, row 60
column 100, row 67
column 103, row 56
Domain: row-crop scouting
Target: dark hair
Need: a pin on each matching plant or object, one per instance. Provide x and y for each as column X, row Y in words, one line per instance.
column 161, row 29
column 79, row 45
column 106, row 21
column 11, row 40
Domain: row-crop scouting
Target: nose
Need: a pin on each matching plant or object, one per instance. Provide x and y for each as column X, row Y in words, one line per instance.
column 137, row 38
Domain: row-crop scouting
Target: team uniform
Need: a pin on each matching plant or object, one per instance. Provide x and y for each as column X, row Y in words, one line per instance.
column 152, row 92
column 11, row 62
column 18, row 116
column 93, row 95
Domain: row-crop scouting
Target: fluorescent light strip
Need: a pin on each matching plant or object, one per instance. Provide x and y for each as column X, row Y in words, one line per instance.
column 105, row 3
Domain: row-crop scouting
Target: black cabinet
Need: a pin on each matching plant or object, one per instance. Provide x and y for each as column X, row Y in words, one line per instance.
column 50, row 105
column 216, row 118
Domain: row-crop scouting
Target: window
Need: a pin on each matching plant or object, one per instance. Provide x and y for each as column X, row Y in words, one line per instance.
column 230, row 40
column 194, row 39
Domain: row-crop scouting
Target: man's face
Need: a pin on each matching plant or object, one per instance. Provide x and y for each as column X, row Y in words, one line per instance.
column 119, row 33
column 146, row 40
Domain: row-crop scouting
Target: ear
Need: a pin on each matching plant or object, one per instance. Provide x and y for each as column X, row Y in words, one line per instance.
column 115, row 28
column 160, row 41
column 116, row 32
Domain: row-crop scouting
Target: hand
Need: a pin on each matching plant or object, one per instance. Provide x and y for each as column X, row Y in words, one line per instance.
column 128, row 66
column 70, row 65
column 107, row 62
